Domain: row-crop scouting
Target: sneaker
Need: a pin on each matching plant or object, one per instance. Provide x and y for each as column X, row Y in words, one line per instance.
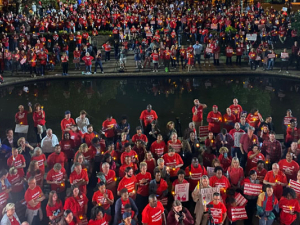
column 82, row 72
column 279, row 71
column 287, row 72
column 102, row 72
column 153, row 71
column 94, row 72
column 157, row 71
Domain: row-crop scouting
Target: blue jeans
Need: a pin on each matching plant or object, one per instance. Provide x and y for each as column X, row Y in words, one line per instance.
column 88, row 68
column 98, row 63
column 262, row 221
column 270, row 64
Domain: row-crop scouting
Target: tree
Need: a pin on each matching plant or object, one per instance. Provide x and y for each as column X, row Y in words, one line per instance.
column 296, row 21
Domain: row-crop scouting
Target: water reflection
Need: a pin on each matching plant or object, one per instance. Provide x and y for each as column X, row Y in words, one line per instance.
column 170, row 97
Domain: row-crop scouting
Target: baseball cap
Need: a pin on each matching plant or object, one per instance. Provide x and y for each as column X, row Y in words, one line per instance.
column 215, row 106
column 67, row 112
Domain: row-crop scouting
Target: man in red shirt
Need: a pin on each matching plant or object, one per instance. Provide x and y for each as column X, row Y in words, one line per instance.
column 194, row 172
column 88, row 137
column 33, row 197
column 79, row 177
column 219, row 211
column 158, row 147
column 142, row 186
column 289, row 167
column 197, row 111
column 109, row 127
column 219, row 180
column 153, row 213
column 147, row 117
column 128, row 182
column 17, row 161
column 129, row 152
column 247, row 142
column 236, row 109
column 271, row 149
column 276, row 179
column 229, row 52
column 260, row 171
column 57, row 177
column 104, row 198
column 88, row 63
column 214, row 119
column 67, row 122
column 56, row 157
column 107, row 49
column 140, row 136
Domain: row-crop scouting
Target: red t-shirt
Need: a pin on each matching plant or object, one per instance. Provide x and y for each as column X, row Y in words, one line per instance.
column 253, row 162
column 88, row 60
column 148, row 117
column 88, row 137
column 124, row 166
column 100, row 200
column 21, row 117
column 218, row 211
column 76, row 204
column 39, row 176
column 235, row 174
column 76, row 137
column 278, row 189
column 223, row 182
column 260, row 174
column 110, row 176
column 213, row 125
column 67, row 147
column 33, row 194
column 16, row 182
column 128, row 183
column 153, row 216
column 199, row 116
column 142, row 137
column 236, row 110
column 132, row 153
column 18, row 161
column 41, row 159
column 14, row 221
column 176, row 145
column 173, row 161
column 195, row 175
column 143, row 189
column 56, row 176
column 75, row 178
column 290, row 169
column 109, row 124
column 103, row 221
column 56, row 158
column 158, row 149
column 55, row 209
column 64, row 124
column 287, row 206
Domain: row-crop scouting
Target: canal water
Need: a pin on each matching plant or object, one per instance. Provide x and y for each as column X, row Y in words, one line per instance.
column 172, row 98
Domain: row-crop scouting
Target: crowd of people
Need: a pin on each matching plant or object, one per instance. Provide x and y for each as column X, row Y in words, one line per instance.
column 171, row 35
column 232, row 170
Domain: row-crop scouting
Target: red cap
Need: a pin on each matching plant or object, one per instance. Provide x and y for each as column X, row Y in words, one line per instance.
column 215, row 106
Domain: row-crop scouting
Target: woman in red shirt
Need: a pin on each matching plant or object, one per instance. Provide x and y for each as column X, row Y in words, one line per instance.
column 108, row 159
column 9, row 215
column 40, row 158
column 34, row 171
column 98, row 217
column 77, row 203
column 68, row 218
column 64, row 62
column 252, row 57
column 289, row 206
column 17, row 183
column 88, row 62
column 67, row 146
column 39, row 122
column 236, row 173
column 54, row 208
column 155, row 60
column 224, row 159
column 151, row 163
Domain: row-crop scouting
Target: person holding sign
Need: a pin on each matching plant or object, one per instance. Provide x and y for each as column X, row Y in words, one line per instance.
column 252, row 199
column 218, row 210
column 229, row 52
column 200, row 200
column 179, row 215
column 271, row 60
column 289, row 207
column 284, row 60
column 266, row 204
column 276, row 179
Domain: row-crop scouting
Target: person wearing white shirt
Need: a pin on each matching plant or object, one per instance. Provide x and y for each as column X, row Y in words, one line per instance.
column 82, row 122
column 49, row 142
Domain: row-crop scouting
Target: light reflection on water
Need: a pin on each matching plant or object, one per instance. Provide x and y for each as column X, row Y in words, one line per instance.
column 170, row 97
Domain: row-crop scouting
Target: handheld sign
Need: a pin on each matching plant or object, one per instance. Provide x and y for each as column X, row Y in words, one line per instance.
column 252, row 189
column 182, row 192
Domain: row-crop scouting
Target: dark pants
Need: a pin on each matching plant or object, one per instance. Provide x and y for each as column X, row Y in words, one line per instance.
column 238, row 60
column 141, row 203
column 285, row 64
column 228, row 60
column 32, row 69
column 253, row 63
column 197, row 58
column 65, row 67
column 250, row 209
column 107, row 56
column 98, row 63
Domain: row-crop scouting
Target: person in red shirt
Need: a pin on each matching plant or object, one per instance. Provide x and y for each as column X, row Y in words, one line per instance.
column 236, row 173
column 236, row 109
column 276, row 179
column 17, row 161
column 88, row 62
column 252, row 59
column 77, row 203
column 67, row 122
column 79, row 177
column 54, row 208
column 247, row 142
column 40, row 158
column 287, row 119
column 153, row 213
column 64, row 63
column 289, row 167
column 292, row 133
column 194, row 172
column 57, row 177
column 147, row 117
column 214, row 119
column 128, row 182
column 289, row 206
column 109, row 128
column 254, row 118
column 76, row 60
column 34, row 171
column 110, row 177
column 253, row 157
column 88, row 137
column 21, row 116
column 219, row 180
column 180, row 180
column 98, row 216
column 173, row 162
column 127, row 163
column 228, row 120
column 229, row 52
column 155, row 60
column 56, row 157
column 33, row 197
column 197, row 111
column 129, row 152
column 140, row 136
column 67, row 145
column 175, row 143
column 39, row 119
column 239, row 53
column 107, row 49
column 17, row 184
column 158, row 147
column 219, row 210
column 260, row 171
column 104, row 198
